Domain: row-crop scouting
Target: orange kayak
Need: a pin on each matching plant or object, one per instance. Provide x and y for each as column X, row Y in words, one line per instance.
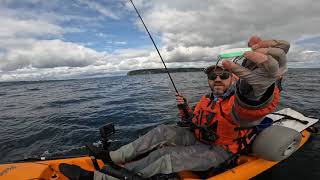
column 248, row 167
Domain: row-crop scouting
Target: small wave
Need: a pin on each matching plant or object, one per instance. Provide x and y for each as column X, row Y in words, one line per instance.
column 16, row 95
column 33, row 89
column 88, row 89
column 39, row 108
column 66, row 102
column 10, row 106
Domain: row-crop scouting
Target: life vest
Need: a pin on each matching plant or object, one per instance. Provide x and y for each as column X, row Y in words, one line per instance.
column 212, row 126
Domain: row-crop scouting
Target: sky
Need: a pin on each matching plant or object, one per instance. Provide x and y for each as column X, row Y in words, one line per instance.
column 59, row 39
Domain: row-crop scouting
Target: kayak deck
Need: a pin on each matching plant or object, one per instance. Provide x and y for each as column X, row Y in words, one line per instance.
column 43, row 169
column 248, row 167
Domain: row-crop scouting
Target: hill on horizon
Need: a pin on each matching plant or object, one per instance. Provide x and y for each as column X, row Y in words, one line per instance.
column 163, row 70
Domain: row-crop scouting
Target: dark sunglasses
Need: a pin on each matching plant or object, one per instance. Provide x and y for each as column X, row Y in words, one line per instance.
column 223, row 76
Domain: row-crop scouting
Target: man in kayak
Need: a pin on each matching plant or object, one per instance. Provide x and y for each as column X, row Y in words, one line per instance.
column 211, row 134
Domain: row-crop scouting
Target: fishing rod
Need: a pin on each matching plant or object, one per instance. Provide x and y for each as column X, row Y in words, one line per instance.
column 155, row 46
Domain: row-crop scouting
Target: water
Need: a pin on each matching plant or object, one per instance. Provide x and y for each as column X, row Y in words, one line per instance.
column 54, row 118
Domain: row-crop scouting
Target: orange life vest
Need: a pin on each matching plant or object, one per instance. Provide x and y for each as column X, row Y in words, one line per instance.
column 210, row 115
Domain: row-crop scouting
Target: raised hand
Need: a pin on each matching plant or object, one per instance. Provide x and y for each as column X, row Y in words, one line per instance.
column 262, row 67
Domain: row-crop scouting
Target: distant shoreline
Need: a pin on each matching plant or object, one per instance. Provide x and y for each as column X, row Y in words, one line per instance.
column 171, row 70
column 162, row 70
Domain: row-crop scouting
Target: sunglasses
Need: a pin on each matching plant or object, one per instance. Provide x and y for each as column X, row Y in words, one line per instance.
column 223, row 76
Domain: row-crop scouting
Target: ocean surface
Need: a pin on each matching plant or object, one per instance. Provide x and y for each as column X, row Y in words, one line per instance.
column 57, row 118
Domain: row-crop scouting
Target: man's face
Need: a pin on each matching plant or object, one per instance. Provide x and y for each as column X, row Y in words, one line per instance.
column 218, row 85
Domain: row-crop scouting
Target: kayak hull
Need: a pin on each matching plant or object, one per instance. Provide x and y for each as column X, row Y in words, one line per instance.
column 43, row 169
column 248, row 167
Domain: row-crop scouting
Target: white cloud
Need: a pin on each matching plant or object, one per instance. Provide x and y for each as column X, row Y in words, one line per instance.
column 194, row 30
column 11, row 27
column 23, row 55
column 59, row 73
column 100, row 8
column 117, row 42
column 300, row 56
column 103, row 35
column 192, row 33
column 20, row 53
column 120, row 42
column 208, row 23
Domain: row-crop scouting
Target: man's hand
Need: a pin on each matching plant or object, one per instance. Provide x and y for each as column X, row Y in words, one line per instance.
column 262, row 67
column 180, row 99
column 184, row 111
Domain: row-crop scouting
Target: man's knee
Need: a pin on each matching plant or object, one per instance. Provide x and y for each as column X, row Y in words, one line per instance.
column 166, row 131
column 174, row 135
column 160, row 152
column 164, row 128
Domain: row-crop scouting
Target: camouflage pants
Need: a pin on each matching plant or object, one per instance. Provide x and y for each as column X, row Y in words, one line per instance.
column 176, row 149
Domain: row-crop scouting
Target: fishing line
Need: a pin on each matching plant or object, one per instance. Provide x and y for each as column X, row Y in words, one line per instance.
column 155, row 46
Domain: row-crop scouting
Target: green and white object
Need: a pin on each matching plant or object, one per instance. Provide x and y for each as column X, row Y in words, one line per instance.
column 231, row 53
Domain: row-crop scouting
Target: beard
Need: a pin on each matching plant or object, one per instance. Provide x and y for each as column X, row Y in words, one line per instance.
column 218, row 90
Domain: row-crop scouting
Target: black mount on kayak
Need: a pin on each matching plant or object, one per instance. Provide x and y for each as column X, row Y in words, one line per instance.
column 105, row 132
column 98, row 152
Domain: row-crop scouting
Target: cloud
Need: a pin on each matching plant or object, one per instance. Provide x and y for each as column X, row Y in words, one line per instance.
column 21, row 53
column 193, row 30
column 120, row 43
column 58, row 73
column 34, row 45
column 65, row 17
column 215, row 23
column 100, row 8
column 304, row 56
column 73, row 66
column 11, row 27
column 32, row 42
